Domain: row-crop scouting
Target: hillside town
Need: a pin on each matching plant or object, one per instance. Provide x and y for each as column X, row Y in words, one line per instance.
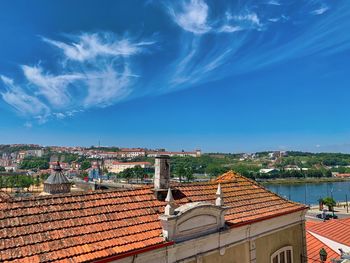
column 174, row 181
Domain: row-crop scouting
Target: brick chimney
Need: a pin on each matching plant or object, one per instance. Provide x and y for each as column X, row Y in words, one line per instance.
column 162, row 176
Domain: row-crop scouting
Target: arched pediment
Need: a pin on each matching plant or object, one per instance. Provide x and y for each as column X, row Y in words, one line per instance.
column 193, row 220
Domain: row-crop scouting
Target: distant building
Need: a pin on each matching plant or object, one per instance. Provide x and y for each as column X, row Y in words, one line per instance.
column 63, row 165
column 341, row 175
column 196, row 153
column 268, row 170
column 95, row 172
column 35, row 153
column 118, row 167
column 11, row 168
column 131, row 152
column 30, row 153
column 295, row 168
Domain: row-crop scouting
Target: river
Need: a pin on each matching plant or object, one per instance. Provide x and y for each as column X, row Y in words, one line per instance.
column 309, row 193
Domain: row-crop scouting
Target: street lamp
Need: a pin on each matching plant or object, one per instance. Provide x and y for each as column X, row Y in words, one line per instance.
column 323, row 255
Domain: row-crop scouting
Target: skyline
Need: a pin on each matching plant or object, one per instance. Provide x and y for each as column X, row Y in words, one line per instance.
column 223, row 77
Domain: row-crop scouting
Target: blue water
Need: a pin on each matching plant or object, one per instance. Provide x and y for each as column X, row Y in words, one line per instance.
column 310, row 193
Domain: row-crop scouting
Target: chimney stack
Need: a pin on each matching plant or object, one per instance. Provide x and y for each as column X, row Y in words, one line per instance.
column 162, row 176
column 162, row 172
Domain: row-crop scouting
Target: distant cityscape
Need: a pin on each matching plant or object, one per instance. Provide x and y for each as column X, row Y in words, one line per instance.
column 91, row 163
column 176, row 199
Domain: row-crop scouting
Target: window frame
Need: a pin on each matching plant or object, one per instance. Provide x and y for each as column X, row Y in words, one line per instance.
column 278, row 252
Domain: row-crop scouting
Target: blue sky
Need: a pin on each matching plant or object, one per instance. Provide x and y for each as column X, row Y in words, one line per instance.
column 227, row 76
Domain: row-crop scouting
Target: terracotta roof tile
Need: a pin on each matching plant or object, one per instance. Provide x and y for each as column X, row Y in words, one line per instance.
column 337, row 230
column 82, row 227
column 314, row 246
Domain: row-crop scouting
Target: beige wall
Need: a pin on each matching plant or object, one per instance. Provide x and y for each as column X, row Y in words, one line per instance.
column 267, row 245
column 236, row 254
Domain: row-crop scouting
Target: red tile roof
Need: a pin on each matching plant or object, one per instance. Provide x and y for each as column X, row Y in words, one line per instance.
column 313, row 249
column 230, row 175
column 342, row 175
column 337, row 230
column 83, row 227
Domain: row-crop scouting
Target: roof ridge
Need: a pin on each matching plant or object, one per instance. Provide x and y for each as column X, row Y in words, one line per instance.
column 74, row 194
column 78, row 201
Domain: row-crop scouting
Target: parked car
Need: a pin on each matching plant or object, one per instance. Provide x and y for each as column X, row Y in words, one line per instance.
column 327, row 216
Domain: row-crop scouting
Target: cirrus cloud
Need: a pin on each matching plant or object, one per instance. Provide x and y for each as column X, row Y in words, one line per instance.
column 99, row 69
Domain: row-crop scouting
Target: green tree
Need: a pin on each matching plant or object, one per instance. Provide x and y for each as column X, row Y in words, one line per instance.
column 138, row 171
column 44, row 176
column 180, row 171
column 25, row 181
column 128, row 173
column 188, row 173
column 85, row 165
column 2, row 169
column 35, row 163
column 37, row 181
column 330, row 202
column 214, row 170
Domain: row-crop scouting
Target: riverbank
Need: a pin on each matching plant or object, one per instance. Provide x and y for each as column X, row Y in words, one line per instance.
column 302, row 180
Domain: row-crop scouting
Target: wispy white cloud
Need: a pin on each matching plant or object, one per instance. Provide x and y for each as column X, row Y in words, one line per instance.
column 248, row 20
column 230, row 28
column 107, row 86
column 320, row 10
column 59, row 115
column 94, row 71
column 19, row 99
column 275, row 19
column 273, row 2
column 192, row 16
column 282, row 18
column 100, row 69
column 53, row 88
column 90, row 46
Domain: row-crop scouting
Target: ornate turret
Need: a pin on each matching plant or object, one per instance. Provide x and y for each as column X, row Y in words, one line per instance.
column 57, row 183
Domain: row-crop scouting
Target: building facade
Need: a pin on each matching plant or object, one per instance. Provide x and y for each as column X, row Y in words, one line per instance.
column 118, row 167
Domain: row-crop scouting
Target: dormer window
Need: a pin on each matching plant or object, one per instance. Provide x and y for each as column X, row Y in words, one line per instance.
column 283, row 255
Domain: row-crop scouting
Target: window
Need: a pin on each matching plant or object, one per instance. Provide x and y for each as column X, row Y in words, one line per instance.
column 283, row 255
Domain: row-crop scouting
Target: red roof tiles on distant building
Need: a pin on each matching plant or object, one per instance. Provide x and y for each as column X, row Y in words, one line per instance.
column 342, row 175
column 337, row 230
column 313, row 249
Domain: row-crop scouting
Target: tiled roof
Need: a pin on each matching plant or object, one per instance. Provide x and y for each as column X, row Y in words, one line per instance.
column 84, row 227
column 342, row 175
column 337, row 230
column 313, row 249
column 230, row 175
